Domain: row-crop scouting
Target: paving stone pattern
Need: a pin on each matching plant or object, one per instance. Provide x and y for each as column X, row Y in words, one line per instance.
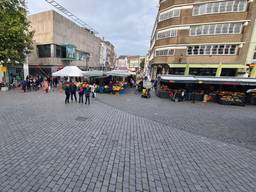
column 46, row 145
column 230, row 124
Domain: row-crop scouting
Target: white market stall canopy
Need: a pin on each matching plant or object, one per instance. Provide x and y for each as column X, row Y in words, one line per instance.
column 93, row 73
column 251, row 91
column 69, row 71
column 209, row 80
column 119, row 73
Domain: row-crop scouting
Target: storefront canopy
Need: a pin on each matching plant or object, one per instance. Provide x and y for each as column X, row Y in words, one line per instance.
column 69, row 71
column 93, row 73
column 119, row 73
column 209, row 80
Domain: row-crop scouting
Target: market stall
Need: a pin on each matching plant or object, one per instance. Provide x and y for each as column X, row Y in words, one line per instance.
column 119, row 81
column 69, row 71
column 94, row 73
column 224, row 90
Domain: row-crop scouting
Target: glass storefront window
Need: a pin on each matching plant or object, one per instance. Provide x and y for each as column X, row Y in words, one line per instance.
column 44, row 51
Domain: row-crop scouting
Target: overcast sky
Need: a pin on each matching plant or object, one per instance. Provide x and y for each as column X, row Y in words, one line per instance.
column 126, row 23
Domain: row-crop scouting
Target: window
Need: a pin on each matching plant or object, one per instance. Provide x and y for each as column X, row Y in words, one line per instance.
column 44, row 51
column 206, row 29
column 208, row 49
column 221, row 49
column 199, row 30
column 169, row 14
column 237, row 28
column 165, row 52
column 233, row 49
column 225, row 29
column 212, row 50
column 195, row 50
column 60, row 51
column 167, row 34
column 216, row 29
column 189, row 50
column 220, row 7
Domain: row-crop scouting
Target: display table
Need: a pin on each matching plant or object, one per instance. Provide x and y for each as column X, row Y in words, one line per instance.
column 4, row 88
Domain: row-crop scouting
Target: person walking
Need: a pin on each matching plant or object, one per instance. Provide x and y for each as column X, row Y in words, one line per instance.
column 93, row 89
column 87, row 94
column 73, row 90
column 67, row 93
column 24, row 85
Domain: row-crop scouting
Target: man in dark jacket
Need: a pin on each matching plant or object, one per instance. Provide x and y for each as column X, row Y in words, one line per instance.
column 73, row 90
column 87, row 92
column 24, row 85
column 67, row 93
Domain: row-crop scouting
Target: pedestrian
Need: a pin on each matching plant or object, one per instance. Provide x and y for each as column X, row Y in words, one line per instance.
column 46, row 86
column 24, row 85
column 67, row 93
column 55, row 82
column 81, row 94
column 93, row 89
column 193, row 96
column 73, row 90
column 28, row 84
column 183, row 93
column 87, row 94
column 37, row 84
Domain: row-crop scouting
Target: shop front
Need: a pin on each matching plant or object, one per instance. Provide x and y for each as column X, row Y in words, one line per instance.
column 214, row 70
column 224, row 90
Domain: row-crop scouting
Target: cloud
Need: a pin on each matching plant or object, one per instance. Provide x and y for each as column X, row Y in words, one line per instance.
column 126, row 23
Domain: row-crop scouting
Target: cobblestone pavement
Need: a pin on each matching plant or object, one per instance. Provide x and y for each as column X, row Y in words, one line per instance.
column 46, row 145
column 230, row 124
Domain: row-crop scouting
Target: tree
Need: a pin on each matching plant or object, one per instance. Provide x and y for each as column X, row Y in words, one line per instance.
column 15, row 36
column 142, row 63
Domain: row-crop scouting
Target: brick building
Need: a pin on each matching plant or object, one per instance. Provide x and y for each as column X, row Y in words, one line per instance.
column 207, row 38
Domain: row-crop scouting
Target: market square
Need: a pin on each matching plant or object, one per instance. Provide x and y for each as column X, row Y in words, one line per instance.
column 124, row 143
column 127, row 96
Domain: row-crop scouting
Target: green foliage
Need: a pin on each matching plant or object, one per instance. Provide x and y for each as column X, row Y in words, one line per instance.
column 142, row 63
column 15, row 36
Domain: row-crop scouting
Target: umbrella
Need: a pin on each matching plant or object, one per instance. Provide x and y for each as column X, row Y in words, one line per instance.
column 69, row 71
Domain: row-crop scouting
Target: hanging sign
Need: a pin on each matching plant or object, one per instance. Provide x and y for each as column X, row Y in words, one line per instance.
column 3, row 69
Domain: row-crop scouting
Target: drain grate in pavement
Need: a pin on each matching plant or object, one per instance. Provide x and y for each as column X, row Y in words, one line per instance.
column 81, row 118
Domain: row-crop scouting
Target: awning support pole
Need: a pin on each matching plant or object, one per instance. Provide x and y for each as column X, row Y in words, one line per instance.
column 219, row 70
column 253, row 73
column 187, row 70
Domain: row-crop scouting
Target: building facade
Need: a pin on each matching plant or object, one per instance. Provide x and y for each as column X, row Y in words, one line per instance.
column 133, row 63
column 204, row 37
column 59, row 42
column 122, row 63
column 108, row 55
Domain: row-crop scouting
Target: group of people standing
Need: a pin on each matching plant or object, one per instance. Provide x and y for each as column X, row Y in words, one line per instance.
column 34, row 83
column 83, row 90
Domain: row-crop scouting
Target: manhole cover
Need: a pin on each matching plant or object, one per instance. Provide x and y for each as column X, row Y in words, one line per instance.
column 81, row 118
